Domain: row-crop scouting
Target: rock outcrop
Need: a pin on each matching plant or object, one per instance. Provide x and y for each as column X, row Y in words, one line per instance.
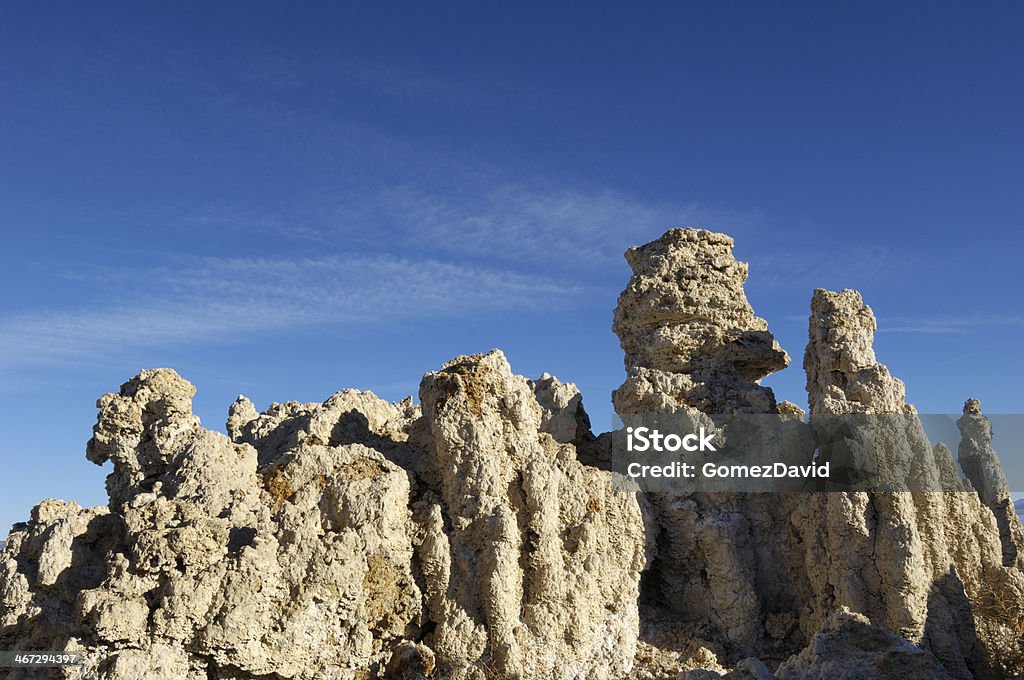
column 480, row 533
column 926, row 565
column 849, row 647
column 981, row 467
column 693, row 345
column 532, row 561
column 690, row 337
column 763, row 573
column 213, row 565
column 843, row 375
column 337, row 540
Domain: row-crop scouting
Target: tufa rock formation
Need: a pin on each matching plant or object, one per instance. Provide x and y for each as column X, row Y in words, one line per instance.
column 349, row 539
column 981, row 467
column 531, row 561
column 764, row 573
column 690, row 337
column 693, row 345
column 478, row 534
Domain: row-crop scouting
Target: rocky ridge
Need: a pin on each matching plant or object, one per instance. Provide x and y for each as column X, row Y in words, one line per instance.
column 479, row 534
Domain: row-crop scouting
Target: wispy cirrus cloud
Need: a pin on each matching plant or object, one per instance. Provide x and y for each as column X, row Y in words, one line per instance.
column 937, row 325
column 564, row 228
column 834, row 268
column 950, row 325
column 576, row 228
column 411, row 253
column 214, row 299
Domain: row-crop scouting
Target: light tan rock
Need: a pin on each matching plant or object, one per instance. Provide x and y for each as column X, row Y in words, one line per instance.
column 291, row 550
column 694, row 345
column 538, row 574
column 562, row 413
column 848, row 647
column 920, row 564
column 841, row 343
column 210, row 565
column 688, row 331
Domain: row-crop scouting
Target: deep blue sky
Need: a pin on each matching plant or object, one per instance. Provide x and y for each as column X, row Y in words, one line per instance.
column 284, row 202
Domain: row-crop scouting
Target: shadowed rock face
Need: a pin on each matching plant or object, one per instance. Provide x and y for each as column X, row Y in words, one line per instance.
column 475, row 535
column 981, row 467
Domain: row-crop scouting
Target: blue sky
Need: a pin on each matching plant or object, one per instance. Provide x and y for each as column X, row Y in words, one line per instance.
column 285, row 202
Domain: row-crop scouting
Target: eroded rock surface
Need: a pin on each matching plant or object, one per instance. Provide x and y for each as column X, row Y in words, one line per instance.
column 693, row 344
column 981, row 467
column 479, row 534
column 538, row 571
column 690, row 337
column 212, row 564
column 349, row 539
column 843, row 375
column 762, row 574
column 849, row 647
column 926, row 565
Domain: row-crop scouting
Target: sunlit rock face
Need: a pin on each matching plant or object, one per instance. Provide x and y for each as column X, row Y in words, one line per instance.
column 532, row 561
column 338, row 540
column 478, row 534
column 762, row 574
column 692, row 343
column 929, row 566
column 690, row 337
column 208, row 564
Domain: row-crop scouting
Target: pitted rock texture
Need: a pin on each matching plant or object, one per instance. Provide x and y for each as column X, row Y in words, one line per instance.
column 690, row 337
column 848, row 647
column 761, row 574
column 214, row 566
column 981, row 467
column 927, row 565
column 349, row 539
column 843, row 375
column 847, row 385
column 562, row 413
column 976, row 457
column 480, row 535
column 723, row 563
column 539, row 571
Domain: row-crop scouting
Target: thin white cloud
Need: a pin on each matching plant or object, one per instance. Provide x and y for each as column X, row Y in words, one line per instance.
column 835, row 268
column 220, row 299
column 935, row 325
column 505, row 248
column 949, row 325
column 526, row 228
column 531, row 227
